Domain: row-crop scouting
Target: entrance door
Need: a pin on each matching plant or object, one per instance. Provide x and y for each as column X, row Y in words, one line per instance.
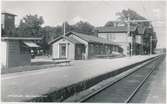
column 79, row 52
column 62, row 50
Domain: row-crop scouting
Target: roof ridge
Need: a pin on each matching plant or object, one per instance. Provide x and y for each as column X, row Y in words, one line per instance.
column 96, row 39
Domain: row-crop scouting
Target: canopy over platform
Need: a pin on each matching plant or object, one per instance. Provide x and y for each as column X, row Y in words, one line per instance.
column 31, row 44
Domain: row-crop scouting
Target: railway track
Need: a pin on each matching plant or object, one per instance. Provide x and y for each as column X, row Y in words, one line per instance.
column 123, row 90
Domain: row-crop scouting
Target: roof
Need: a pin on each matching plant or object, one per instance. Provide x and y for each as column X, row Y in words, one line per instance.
column 31, row 44
column 67, row 38
column 87, row 38
column 91, row 39
column 20, row 38
column 8, row 13
column 115, row 29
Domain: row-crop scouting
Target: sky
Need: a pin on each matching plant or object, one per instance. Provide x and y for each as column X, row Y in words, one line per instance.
column 95, row 12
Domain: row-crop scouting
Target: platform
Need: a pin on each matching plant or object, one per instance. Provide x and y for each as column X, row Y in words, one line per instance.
column 24, row 86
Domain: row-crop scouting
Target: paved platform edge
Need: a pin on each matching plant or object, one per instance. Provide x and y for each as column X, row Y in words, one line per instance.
column 65, row 92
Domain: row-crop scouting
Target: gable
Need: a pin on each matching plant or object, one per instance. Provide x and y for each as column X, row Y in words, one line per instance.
column 72, row 40
column 78, row 38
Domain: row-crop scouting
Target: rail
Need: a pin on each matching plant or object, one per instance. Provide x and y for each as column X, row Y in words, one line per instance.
column 90, row 95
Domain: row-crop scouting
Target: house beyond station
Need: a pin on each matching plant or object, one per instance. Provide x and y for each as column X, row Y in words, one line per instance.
column 79, row 46
column 118, row 35
column 141, row 40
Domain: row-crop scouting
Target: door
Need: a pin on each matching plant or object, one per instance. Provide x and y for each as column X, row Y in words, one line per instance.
column 62, row 50
column 79, row 52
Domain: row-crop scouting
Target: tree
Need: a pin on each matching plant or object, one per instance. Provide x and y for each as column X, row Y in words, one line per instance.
column 83, row 27
column 30, row 26
column 109, row 24
column 49, row 33
column 124, row 14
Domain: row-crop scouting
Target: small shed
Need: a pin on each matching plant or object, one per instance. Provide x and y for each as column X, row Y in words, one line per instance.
column 16, row 51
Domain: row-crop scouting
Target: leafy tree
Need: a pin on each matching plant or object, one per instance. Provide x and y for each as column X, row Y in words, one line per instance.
column 48, row 33
column 83, row 27
column 124, row 14
column 109, row 24
column 30, row 26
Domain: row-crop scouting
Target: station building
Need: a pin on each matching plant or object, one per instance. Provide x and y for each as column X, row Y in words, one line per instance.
column 77, row 46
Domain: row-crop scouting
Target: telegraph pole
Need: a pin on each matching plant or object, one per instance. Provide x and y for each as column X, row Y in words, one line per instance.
column 64, row 28
column 128, row 32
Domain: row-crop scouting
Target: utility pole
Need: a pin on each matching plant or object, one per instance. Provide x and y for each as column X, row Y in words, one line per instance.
column 128, row 32
column 64, row 28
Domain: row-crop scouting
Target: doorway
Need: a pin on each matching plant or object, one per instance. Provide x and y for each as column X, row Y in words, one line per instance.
column 80, row 52
column 62, row 50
